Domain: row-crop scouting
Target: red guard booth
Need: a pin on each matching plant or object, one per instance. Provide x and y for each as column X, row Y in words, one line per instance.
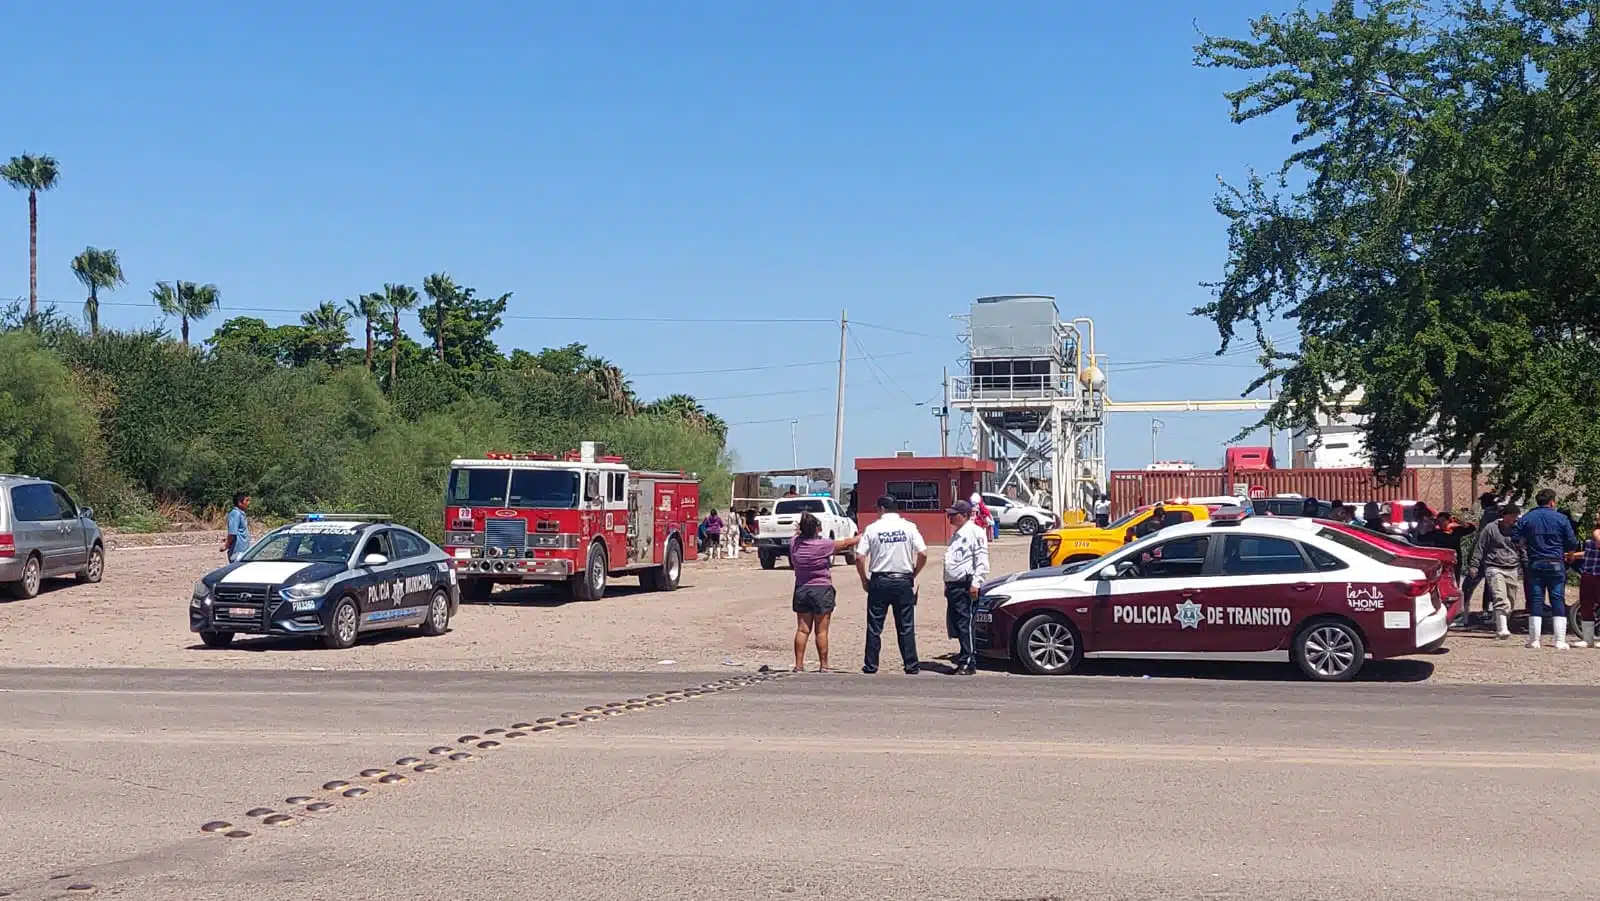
column 925, row 487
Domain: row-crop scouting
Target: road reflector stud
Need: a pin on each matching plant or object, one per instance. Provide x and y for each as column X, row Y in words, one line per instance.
column 408, row 761
column 516, row 733
column 319, row 806
column 522, row 725
column 297, row 800
column 488, row 745
column 425, row 768
column 237, row 833
column 440, row 749
column 545, row 720
column 542, row 728
column 335, row 785
column 588, row 718
column 216, row 826
column 566, row 723
column 392, row 779
column 354, row 792
column 466, row 739
column 460, row 756
column 258, row 811
column 278, row 819
column 372, row 773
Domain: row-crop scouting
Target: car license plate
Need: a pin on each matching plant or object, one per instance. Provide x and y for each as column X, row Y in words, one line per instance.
column 983, row 617
column 240, row 612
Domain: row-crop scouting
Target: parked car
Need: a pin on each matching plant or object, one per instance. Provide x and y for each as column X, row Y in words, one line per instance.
column 1086, row 541
column 44, row 534
column 1236, row 588
column 775, row 530
column 332, row 576
column 1014, row 514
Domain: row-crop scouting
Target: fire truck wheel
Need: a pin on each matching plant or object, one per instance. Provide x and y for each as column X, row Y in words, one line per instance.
column 590, row 585
column 665, row 577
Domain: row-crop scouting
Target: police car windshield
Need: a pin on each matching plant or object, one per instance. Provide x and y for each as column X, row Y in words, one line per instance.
column 305, row 543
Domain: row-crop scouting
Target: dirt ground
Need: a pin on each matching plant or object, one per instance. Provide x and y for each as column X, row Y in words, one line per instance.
column 729, row 613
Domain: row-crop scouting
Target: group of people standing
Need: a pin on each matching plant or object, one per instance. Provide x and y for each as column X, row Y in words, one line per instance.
column 1529, row 553
column 890, row 555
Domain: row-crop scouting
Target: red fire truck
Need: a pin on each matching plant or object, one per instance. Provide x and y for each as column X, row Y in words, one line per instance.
column 575, row 520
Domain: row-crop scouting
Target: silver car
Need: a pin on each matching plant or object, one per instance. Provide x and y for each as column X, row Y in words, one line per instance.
column 45, row 534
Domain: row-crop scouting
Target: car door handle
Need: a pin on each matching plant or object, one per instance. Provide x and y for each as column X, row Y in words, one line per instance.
column 1189, row 592
column 1303, row 586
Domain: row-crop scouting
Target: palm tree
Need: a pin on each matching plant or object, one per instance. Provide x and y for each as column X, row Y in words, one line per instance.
column 367, row 308
column 327, row 317
column 397, row 299
column 99, row 270
column 611, row 381
column 442, row 290
column 187, row 301
column 32, row 174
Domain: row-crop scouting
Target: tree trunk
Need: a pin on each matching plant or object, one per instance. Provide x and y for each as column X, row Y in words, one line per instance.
column 394, row 349
column 94, row 311
column 183, row 325
column 33, row 259
column 438, row 326
column 369, row 343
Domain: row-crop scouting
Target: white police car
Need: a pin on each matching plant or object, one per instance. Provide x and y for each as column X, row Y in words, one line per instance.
column 331, row 575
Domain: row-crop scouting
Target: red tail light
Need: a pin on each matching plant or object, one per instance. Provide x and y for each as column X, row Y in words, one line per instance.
column 1416, row 589
column 8, row 545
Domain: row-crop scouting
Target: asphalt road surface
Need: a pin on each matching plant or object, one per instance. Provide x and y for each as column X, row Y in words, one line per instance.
column 811, row 787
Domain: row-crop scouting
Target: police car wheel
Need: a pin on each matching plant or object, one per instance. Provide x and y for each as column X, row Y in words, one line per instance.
column 1329, row 650
column 216, row 639
column 438, row 621
column 1027, row 525
column 343, row 628
column 1048, row 645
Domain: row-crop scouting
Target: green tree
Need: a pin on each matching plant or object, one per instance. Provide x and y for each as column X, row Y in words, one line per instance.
column 189, row 301
column 98, row 270
column 32, row 173
column 442, row 290
column 612, row 383
column 463, row 328
column 1434, row 233
column 369, row 309
column 326, row 330
column 396, row 300
column 46, row 426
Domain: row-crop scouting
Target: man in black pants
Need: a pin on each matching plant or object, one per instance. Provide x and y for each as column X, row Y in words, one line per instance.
column 889, row 557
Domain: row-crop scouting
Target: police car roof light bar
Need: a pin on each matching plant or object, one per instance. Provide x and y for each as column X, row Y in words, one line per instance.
column 351, row 517
column 1229, row 516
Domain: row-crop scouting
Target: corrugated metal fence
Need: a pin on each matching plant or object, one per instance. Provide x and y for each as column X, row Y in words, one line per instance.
column 1134, row 488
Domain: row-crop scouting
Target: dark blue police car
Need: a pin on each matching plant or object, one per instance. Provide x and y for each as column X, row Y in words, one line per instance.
column 330, row 575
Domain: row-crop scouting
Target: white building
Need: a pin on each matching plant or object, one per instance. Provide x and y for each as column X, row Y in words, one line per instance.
column 1337, row 443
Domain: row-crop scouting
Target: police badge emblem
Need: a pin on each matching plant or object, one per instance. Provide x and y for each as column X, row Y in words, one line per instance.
column 1188, row 614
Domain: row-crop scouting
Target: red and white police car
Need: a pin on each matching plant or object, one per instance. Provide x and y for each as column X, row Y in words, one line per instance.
column 1233, row 588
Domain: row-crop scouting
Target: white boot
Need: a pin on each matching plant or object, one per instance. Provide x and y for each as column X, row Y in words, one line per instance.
column 1502, row 627
column 1561, row 633
column 1535, row 626
column 1586, row 631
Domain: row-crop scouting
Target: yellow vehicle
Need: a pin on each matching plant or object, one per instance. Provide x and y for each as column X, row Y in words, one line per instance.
column 1074, row 544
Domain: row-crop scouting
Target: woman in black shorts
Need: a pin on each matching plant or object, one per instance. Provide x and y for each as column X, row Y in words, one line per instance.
column 810, row 554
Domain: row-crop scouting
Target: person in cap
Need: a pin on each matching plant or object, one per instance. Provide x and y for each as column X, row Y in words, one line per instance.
column 889, row 557
column 1496, row 563
column 966, row 565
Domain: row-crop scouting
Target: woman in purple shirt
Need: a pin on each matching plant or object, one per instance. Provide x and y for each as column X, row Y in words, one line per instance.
column 810, row 554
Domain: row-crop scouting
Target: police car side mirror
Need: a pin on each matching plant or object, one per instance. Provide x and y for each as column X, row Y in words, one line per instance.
column 374, row 560
column 1108, row 572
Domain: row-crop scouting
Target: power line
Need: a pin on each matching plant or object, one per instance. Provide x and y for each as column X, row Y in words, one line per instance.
column 832, row 362
column 875, row 370
column 522, row 317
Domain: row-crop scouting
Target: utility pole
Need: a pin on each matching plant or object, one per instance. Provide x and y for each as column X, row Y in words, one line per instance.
column 838, row 415
column 794, row 441
column 1155, row 429
column 1272, row 434
column 944, row 418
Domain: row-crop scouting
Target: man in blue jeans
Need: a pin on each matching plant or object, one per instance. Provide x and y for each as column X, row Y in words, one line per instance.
column 1548, row 536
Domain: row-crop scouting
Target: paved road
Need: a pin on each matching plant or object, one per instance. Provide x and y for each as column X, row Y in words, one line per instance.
column 811, row 787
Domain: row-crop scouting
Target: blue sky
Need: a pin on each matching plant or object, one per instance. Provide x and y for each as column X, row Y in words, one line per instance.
column 705, row 160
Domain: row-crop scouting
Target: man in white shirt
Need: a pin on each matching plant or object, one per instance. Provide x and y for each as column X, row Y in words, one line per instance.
column 888, row 558
column 966, row 565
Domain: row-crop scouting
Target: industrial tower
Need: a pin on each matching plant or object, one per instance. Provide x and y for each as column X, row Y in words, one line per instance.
column 1035, row 398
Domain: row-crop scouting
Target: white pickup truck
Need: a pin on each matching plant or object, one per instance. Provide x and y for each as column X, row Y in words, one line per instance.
column 774, row 530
